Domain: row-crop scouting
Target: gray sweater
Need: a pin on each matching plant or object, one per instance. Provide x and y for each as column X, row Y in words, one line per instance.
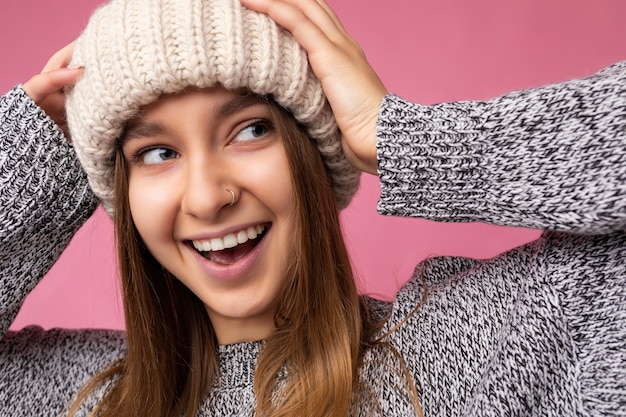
column 539, row 330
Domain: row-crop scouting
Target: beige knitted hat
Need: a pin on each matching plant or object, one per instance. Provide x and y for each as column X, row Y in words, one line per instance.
column 135, row 50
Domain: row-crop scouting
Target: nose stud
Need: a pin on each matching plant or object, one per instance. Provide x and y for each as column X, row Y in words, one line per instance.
column 232, row 194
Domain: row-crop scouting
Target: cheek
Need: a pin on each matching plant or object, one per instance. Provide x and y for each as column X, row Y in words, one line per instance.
column 149, row 209
column 271, row 182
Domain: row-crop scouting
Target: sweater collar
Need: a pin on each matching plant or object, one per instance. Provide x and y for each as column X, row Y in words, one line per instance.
column 237, row 363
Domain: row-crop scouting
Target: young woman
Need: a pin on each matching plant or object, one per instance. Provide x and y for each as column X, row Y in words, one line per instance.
column 213, row 148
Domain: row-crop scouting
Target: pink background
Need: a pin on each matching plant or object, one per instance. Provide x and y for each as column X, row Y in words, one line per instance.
column 426, row 51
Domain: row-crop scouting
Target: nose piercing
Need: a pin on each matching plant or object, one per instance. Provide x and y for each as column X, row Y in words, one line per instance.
column 232, row 193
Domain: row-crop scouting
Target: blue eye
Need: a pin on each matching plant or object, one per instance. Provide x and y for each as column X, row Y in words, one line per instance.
column 156, row 155
column 256, row 130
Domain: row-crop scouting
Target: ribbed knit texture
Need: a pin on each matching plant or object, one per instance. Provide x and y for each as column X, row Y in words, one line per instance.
column 135, row 50
column 537, row 331
column 507, row 161
column 38, row 217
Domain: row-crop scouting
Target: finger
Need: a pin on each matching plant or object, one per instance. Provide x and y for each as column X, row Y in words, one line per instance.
column 331, row 13
column 44, row 84
column 60, row 59
column 307, row 21
column 320, row 13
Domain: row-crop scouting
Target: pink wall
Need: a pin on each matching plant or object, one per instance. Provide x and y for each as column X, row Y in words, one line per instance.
column 427, row 51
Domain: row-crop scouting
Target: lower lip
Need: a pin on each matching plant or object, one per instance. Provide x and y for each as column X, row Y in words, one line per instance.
column 233, row 271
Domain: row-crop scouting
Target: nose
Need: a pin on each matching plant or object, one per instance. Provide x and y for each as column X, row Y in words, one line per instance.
column 206, row 191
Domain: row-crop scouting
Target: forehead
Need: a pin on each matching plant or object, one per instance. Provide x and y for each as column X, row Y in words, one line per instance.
column 225, row 101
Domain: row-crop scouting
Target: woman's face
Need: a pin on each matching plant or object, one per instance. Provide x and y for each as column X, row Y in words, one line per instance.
column 184, row 152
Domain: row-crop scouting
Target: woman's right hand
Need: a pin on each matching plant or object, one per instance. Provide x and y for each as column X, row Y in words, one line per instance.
column 47, row 88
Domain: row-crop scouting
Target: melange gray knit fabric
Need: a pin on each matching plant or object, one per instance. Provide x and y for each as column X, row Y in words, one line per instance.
column 539, row 330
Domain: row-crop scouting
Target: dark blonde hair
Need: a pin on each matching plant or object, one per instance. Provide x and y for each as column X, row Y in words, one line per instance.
column 323, row 327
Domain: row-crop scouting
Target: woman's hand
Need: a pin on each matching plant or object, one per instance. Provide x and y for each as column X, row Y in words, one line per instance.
column 351, row 85
column 46, row 88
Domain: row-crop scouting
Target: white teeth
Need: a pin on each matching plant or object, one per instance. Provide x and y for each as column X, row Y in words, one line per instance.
column 217, row 243
column 230, row 240
column 242, row 236
column 251, row 232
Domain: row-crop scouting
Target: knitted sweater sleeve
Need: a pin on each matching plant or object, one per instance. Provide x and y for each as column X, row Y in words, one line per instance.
column 44, row 198
column 540, row 329
column 551, row 158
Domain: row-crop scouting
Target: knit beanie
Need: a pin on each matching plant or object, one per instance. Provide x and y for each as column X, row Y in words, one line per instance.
column 135, row 50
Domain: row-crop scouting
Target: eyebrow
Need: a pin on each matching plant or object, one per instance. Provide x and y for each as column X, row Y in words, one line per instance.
column 140, row 128
column 240, row 102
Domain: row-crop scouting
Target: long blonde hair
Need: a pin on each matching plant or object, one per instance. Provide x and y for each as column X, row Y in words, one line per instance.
column 323, row 327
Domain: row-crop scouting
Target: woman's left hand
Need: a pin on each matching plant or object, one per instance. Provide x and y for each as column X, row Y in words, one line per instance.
column 353, row 89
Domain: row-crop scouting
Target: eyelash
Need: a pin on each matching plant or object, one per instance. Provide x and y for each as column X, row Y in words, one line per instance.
column 137, row 156
column 267, row 124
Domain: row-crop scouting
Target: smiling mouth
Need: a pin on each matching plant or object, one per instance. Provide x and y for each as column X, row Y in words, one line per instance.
column 228, row 249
